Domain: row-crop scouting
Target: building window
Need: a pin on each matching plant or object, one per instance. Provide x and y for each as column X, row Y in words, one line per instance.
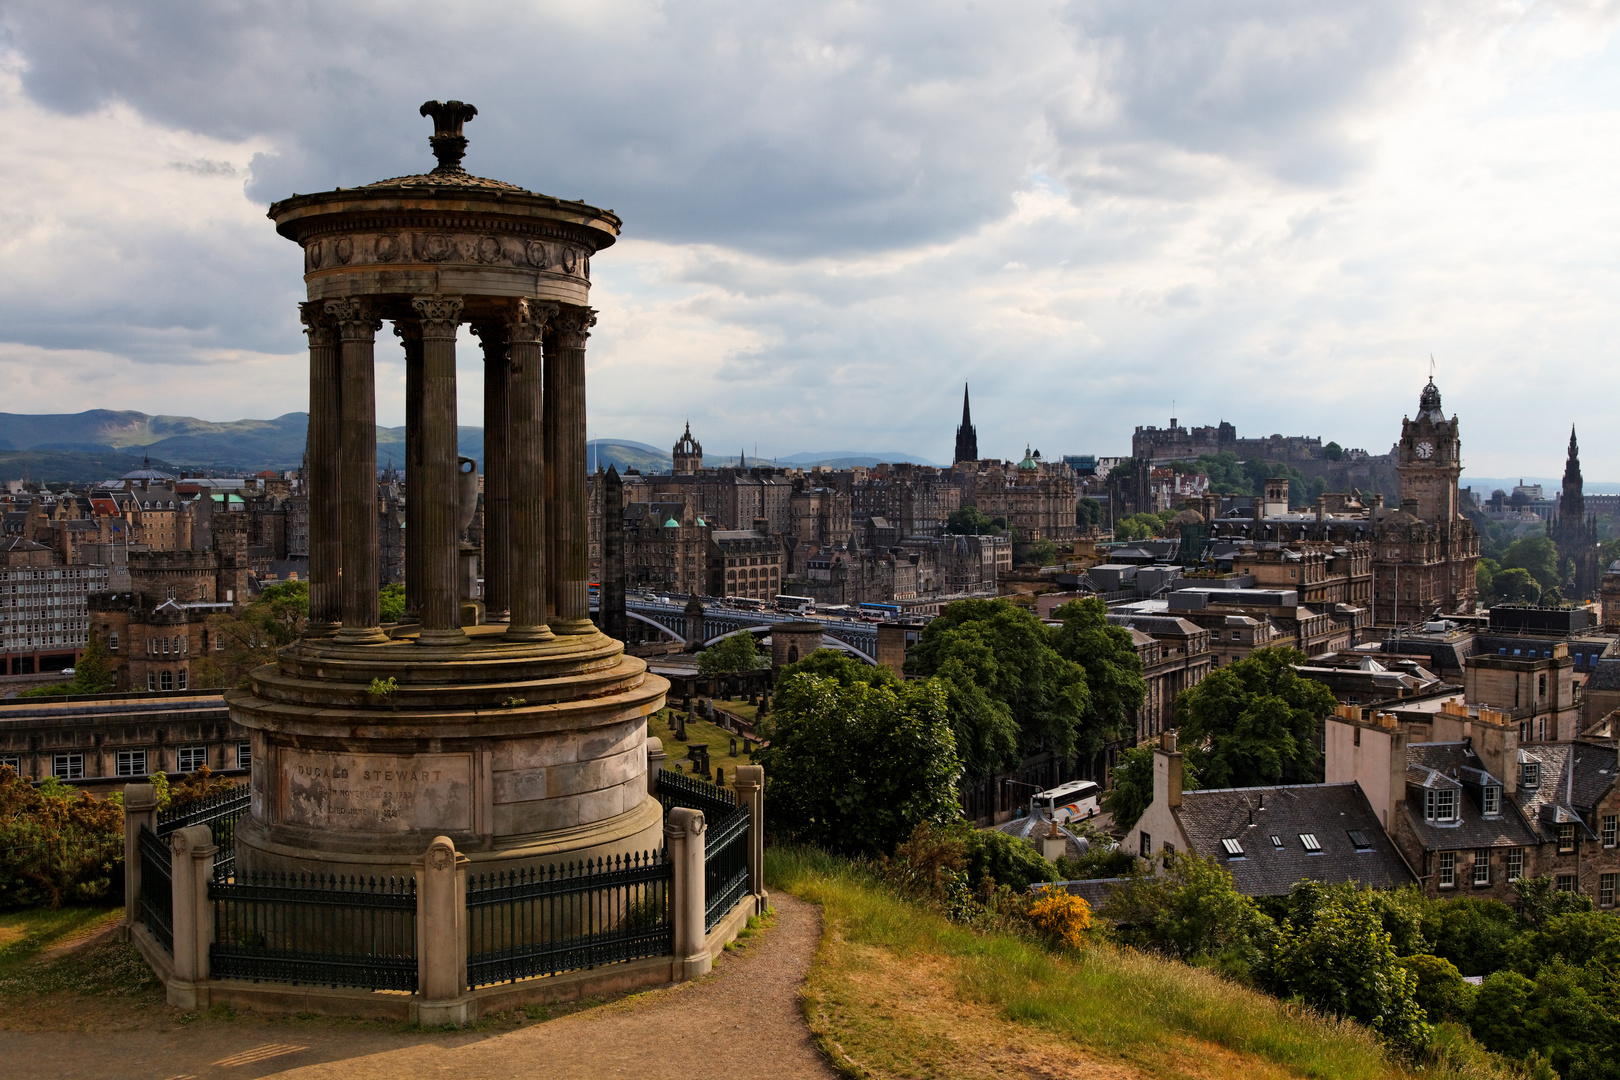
column 1310, row 843
column 1491, row 800
column 1440, row 804
column 244, row 755
column 1542, row 689
column 112, row 641
column 1606, row 889
column 180, row 679
column 1565, row 883
column 12, row 762
column 191, row 758
column 1147, row 845
column 151, row 680
column 166, row 680
column 1566, row 839
column 68, row 766
column 1448, row 869
column 1482, row 866
column 1530, row 774
column 1515, row 863
column 1609, row 830
column 130, row 763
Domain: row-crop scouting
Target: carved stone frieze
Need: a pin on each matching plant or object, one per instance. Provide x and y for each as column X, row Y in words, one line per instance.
column 438, row 246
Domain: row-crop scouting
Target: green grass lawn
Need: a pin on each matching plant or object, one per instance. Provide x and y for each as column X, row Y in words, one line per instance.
column 106, row 968
column 897, row 990
column 661, row 725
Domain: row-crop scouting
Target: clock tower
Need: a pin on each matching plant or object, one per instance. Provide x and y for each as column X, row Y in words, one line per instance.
column 1429, row 460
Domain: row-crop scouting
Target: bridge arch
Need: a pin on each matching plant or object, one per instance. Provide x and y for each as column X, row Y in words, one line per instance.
column 827, row 642
column 656, row 625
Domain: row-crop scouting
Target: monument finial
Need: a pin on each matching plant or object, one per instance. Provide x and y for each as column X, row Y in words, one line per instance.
column 449, row 144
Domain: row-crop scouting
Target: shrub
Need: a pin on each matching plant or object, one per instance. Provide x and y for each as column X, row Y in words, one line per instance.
column 1190, row 912
column 1440, row 989
column 1061, row 918
column 57, row 844
column 1006, row 861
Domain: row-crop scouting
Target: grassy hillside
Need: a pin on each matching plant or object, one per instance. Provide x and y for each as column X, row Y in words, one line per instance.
column 898, row 991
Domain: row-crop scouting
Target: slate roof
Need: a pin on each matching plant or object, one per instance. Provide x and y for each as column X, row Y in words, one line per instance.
column 1607, row 675
column 1595, row 771
column 1034, row 825
column 1454, row 765
column 1159, row 625
column 1327, row 812
column 1548, row 804
column 17, row 543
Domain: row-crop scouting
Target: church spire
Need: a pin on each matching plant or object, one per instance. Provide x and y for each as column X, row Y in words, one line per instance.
column 967, row 440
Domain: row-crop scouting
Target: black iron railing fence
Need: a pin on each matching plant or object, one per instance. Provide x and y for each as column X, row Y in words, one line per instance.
column 725, row 864
column 157, row 889
column 220, row 813
column 313, row 929
column 547, row 920
column 678, row 789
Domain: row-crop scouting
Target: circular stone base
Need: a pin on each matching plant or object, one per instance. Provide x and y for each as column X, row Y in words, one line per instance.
column 637, row 832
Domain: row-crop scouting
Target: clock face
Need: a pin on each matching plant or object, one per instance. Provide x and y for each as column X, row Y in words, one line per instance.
column 1424, row 450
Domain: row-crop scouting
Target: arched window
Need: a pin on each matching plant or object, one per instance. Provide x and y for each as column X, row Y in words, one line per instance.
column 166, row 680
column 793, row 654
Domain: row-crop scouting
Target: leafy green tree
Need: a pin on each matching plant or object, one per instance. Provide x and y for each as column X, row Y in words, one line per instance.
column 1007, row 653
column 1515, row 586
column 1559, row 1014
column 732, row 655
column 1139, row 527
column 1088, row 513
column 1336, row 956
column 1539, row 901
column 971, row 521
column 1040, row 553
column 1485, row 572
column 1473, row 933
column 855, row 769
column 93, row 674
column 1538, row 555
column 1440, row 989
column 1108, row 656
column 1005, row 860
column 1190, row 911
column 1132, row 792
column 253, row 636
column 1333, row 451
column 391, row 603
column 1254, row 722
column 836, row 664
column 57, row 844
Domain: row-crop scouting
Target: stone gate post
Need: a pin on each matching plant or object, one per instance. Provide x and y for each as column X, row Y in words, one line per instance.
column 683, row 840
column 140, row 808
column 191, row 853
column 441, row 936
column 655, row 762
column 750, row 785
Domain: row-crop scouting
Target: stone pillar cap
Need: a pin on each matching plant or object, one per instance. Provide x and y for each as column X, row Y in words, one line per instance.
column 683, row 819
column 749, row 776
column 140, row 797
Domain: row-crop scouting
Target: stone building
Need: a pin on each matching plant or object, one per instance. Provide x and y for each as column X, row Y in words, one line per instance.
column 967, row 438
column 666, row 548
column 1575, row 531
column 1175, row 655
column 1038, row 498
column 44, row 619
column 745, row 562
column 1424, row 553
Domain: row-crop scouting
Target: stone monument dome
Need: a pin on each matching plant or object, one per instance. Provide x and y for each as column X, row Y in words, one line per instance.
column 505, row 721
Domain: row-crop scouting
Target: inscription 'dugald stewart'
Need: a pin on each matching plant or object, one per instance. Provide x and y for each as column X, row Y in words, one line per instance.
column 377, row 792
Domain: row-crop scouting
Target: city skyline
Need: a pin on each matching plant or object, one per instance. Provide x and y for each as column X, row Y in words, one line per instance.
column 1100, row 215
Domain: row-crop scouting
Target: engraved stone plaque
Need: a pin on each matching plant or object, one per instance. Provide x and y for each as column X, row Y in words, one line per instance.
column 376, row 792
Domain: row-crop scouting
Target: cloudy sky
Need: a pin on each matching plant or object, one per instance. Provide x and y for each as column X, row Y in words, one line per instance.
column 1099, row 212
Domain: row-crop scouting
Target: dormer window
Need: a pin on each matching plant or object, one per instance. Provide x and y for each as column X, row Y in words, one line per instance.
column 1233, row 848
column 1530, row 774
column 1491, row 800
column 1440, row 805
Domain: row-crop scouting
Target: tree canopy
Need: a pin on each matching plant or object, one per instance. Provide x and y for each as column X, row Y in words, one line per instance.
column 971, row 521
column 1537, row 555
column 857, row 768
column 732, row 655
column 1254, row 722
column 1016, row 686
column 835, row 664
column 251, row 637
column 1133, row 785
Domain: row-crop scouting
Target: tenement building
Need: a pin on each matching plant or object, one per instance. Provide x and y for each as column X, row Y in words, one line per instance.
column 44, row 620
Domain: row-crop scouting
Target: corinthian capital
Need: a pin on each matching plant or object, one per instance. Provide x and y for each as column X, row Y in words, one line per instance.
column 321, row 327
column 440, row 315
column 572, row 326
column 526, row 319
column 356, row 318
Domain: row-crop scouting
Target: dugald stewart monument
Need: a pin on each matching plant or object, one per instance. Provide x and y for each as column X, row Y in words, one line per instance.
column 510, row 725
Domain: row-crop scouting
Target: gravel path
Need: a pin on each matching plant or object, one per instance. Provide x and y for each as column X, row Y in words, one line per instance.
column 742, row 1020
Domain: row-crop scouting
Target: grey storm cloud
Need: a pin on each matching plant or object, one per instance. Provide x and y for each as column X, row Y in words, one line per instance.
column 774, row 128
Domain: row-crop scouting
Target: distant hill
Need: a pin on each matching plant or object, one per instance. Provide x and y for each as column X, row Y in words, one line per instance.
column 101, row 443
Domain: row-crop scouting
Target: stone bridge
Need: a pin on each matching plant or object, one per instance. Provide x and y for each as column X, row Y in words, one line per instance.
column 856, row 638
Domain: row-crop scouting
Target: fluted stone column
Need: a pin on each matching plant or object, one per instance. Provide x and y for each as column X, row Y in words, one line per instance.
column 497, row 504
column 324, row 454
column 526, row 470
column 357, row 328
column 436, row 519
column 569, row 552
column 409, row 332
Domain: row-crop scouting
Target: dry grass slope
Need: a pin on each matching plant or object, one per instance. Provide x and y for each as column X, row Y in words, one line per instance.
column 897, row 991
